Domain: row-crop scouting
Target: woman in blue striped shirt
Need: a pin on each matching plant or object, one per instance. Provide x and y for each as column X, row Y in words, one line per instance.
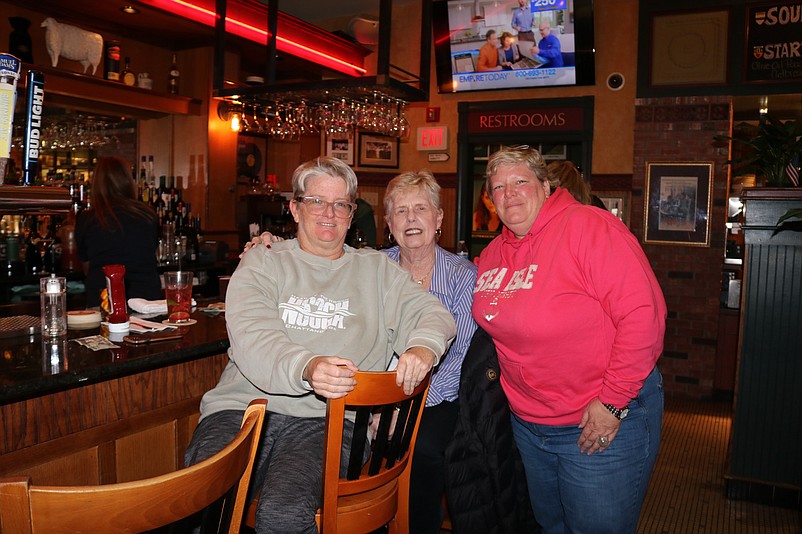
column 413, row 214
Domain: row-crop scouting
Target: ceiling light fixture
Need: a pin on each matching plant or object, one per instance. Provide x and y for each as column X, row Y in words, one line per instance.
column 129, row 10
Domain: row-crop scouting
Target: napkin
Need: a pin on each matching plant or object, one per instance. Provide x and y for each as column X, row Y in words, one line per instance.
column 150, row 306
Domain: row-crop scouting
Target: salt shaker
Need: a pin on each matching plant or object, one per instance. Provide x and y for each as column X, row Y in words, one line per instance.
column 53, row 297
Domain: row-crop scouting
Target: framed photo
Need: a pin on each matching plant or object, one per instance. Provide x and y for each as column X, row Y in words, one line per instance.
column 677, row 203
column 485, row 224
column 378, row 151
column 556, row 152
column 617, row 203
column 690, row 48
column 340, row 147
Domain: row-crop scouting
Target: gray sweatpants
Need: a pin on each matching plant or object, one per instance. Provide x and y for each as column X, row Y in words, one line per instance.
column 288, row 470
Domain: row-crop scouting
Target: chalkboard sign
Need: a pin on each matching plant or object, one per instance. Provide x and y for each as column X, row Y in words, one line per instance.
column 774, row 43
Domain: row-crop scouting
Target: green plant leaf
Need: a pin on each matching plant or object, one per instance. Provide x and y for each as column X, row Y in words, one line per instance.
column 790, row 214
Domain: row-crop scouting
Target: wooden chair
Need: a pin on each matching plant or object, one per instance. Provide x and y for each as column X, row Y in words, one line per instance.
column 143, row 504
column 376, row 493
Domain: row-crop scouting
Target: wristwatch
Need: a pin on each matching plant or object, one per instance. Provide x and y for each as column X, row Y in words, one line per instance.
column 619, row 413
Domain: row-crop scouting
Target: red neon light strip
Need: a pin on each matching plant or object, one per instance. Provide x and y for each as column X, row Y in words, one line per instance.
column 258, row 35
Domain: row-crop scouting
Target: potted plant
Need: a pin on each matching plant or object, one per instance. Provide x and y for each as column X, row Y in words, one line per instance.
column 770, row 148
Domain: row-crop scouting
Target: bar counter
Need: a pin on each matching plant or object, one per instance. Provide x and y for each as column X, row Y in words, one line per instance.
column 33, row 366
column 77, row 416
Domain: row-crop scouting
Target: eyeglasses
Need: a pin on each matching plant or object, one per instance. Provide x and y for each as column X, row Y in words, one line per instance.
column 318, row 206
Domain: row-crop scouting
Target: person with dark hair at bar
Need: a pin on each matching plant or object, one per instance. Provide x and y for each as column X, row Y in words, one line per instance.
column 118, row 229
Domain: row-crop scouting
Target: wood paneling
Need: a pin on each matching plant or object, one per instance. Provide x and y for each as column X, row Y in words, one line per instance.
column 160, row 443
column 76, row 469
column 122, row 429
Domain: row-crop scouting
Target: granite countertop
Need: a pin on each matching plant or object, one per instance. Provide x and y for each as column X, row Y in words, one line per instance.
column 32, row 366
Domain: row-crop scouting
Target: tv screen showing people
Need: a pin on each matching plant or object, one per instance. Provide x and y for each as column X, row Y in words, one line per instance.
column 513, row 43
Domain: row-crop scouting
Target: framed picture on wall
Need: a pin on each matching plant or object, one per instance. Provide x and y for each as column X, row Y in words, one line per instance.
column 340, row 147
column 690, row 48
column 677, row 204
column 378, row 151
column 617, row 203
column 485, row 223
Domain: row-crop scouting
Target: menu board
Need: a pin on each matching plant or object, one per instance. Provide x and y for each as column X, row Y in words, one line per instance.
column 774, row 42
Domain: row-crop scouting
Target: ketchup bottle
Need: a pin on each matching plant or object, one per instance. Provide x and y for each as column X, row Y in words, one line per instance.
column 118, row 309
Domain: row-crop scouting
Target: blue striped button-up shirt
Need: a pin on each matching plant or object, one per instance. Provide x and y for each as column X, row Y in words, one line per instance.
column 453, row 280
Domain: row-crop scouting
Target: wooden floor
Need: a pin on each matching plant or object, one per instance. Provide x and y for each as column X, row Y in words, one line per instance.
column 686, row 491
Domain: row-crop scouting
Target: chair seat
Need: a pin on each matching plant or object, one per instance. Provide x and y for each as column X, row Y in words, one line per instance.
column 368, row 511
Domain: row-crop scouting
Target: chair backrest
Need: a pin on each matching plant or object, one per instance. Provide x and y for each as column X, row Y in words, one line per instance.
column 390, row 457
column 143, row 504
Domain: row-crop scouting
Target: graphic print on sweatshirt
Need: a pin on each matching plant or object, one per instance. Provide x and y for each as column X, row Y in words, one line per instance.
column 314, row 314
column 491, row 280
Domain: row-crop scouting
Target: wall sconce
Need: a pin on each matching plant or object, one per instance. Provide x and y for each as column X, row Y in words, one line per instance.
column 763, row 105
column 230, row 112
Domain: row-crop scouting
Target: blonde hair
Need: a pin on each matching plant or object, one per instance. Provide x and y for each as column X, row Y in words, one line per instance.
column 411, row 180
column 516, row 155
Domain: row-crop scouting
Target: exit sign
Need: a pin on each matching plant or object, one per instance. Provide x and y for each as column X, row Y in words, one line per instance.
column 433, row 138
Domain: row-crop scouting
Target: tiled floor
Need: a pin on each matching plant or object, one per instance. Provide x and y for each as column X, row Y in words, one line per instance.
column 686, row 492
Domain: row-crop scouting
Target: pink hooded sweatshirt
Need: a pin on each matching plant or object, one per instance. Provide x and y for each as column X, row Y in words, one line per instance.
column 574, row 309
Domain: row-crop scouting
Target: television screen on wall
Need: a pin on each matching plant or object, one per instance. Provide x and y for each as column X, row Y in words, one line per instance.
column 565, row 56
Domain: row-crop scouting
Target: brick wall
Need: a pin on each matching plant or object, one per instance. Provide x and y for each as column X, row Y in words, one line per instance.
column 682, row 130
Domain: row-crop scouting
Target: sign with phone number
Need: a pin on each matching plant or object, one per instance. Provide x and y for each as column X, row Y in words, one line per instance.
column 546, row 5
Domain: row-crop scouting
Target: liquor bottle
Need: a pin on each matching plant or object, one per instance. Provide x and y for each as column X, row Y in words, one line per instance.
column 174, row 75
column 33, row 258
column 142, row 186
column 111, row 64
column 151, row 173
column 127, row 76
column 192, row 242
column 462, row 250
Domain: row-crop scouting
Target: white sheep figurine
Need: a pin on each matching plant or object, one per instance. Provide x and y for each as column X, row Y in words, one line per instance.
column 73, row 43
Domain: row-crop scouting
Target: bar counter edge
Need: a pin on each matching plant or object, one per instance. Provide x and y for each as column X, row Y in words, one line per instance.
column 107, row 416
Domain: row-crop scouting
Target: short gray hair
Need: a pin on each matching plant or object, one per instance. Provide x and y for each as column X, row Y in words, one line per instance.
column 321, row 166
column 516, row 155
column 407, row 181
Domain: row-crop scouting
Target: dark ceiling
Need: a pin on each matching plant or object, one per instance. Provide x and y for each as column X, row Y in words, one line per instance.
column 167, row 31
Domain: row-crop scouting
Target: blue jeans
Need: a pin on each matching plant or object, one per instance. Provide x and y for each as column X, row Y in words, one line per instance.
column 572, row 492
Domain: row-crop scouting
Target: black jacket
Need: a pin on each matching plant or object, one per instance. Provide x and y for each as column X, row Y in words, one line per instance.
column 486, row 484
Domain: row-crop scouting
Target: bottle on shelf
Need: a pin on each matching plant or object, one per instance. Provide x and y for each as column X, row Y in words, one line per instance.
column 127, row 76
column 33, row 258
column 151, row 172
column 462, row 249
column 111, row 62
column 174, row 76
column 142, row 184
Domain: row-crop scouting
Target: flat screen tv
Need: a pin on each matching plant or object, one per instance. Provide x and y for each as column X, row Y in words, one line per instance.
column 461, row 28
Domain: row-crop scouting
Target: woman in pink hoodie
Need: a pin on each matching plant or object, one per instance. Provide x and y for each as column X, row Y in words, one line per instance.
column 578, row 319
